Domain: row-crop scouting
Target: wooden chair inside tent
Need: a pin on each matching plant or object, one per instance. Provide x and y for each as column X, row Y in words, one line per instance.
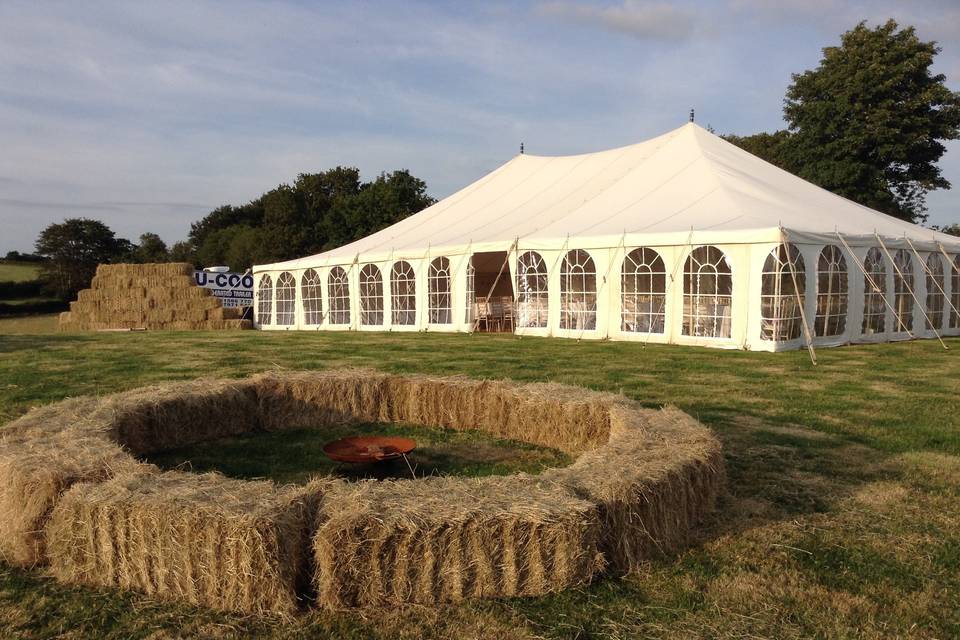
column 508, row 312
column 484, row 313
column 496, row 312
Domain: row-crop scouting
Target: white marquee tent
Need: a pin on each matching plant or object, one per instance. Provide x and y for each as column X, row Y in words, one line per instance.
column 682, row 239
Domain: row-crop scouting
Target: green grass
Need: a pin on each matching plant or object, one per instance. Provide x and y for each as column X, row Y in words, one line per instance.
column 18, row 271
column 293, row 457
column 841, row 520
column 29, row 324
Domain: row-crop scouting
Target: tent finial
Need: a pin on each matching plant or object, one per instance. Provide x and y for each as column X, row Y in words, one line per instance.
column 521, row 148
column 691, row 114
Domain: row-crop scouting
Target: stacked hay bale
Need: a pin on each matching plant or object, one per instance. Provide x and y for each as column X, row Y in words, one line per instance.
column 148, row 296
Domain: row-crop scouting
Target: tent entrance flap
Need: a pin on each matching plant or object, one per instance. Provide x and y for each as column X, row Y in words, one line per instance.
column 493, row 301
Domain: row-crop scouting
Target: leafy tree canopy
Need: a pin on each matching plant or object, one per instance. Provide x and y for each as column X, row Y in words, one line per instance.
column 74, row 248
column 868, row 122
column 319, row 211
column 152, row 248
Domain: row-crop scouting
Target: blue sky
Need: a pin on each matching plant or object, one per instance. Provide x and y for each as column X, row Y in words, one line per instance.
column 148, row 115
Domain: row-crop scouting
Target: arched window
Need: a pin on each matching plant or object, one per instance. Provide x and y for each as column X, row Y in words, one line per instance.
column 371, row 296
column 438, row 292
column 902, row 290
column 265, row 302
column 831, row 292
column 531, row 290
column 471, row 291
column 338, row 296
column 782, row 285
column 707, row 293
column 578, row 291
column 935, row 287
column 643, row 286
column 403, row 294
column 286, row 299
column 955, row 293
column 874, row 293
column 312, row 297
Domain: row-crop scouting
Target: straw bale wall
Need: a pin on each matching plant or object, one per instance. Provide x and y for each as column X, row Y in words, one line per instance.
column 148, row 296
column 74, row 495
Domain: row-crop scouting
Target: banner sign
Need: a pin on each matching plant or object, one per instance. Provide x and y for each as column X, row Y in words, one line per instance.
column 233, row 289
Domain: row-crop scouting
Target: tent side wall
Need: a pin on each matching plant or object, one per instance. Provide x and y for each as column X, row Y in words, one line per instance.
column 736, row 323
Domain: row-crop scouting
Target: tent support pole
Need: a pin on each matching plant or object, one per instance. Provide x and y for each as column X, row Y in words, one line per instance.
column 929, row 273
column 912, row 294
column 496, row 280
column 807, row 335
column 873, row 283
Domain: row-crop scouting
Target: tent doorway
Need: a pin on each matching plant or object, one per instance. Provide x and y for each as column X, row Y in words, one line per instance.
column 492, row 305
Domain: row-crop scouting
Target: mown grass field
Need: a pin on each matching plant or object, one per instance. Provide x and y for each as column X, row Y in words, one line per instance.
column 842, row 519
column 18, row 271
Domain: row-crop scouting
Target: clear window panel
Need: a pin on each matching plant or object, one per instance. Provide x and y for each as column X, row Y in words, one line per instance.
column 338, row 296
column 265, row 302
column 831, row 292
column 438, row 292
column 403, row 294
column 286, row 299
column 935, row 288
column 903, row 284
column 783, row 285
column 955, row 293
column 371, row 296
column 707, row 293
column 643, row 287
column 311, row 294
column 578, row 292
column 874, row 293
column 532, row 300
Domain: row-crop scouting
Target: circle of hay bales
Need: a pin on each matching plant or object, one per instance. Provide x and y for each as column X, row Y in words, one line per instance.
column 75, row 494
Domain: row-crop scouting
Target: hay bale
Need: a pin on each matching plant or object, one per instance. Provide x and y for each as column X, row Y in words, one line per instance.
column 552, row 415
column 447, row 539
column 172, row 415
column 309, row 399
column 152, row 296
column 207, row 539
column 43, row 454
column 661, row 472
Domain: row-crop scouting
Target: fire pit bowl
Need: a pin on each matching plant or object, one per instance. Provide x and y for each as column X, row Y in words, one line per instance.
column 368, row 448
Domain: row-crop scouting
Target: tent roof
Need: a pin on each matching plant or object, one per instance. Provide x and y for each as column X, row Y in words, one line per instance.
column 687, row 185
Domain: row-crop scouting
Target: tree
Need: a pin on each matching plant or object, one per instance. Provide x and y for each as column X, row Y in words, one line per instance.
column 152, row 248
column 183, row 251
column 768, row 146
column 74, row 248
column 868, row 122
column 225, row 216
column 319, row 211
column 949, row 229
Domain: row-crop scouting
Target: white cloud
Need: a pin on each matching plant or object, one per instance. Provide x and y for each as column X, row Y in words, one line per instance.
column 644, row 20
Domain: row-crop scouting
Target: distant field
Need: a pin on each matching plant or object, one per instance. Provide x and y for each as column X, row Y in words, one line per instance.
column 842, row 518
column 46, row 323
column 18, row 271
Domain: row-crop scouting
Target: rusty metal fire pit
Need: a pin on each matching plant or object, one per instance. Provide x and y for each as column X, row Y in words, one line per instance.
column 368, row 448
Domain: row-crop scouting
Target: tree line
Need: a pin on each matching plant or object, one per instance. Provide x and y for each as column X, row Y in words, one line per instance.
column 319, row 211
column 868, row 124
